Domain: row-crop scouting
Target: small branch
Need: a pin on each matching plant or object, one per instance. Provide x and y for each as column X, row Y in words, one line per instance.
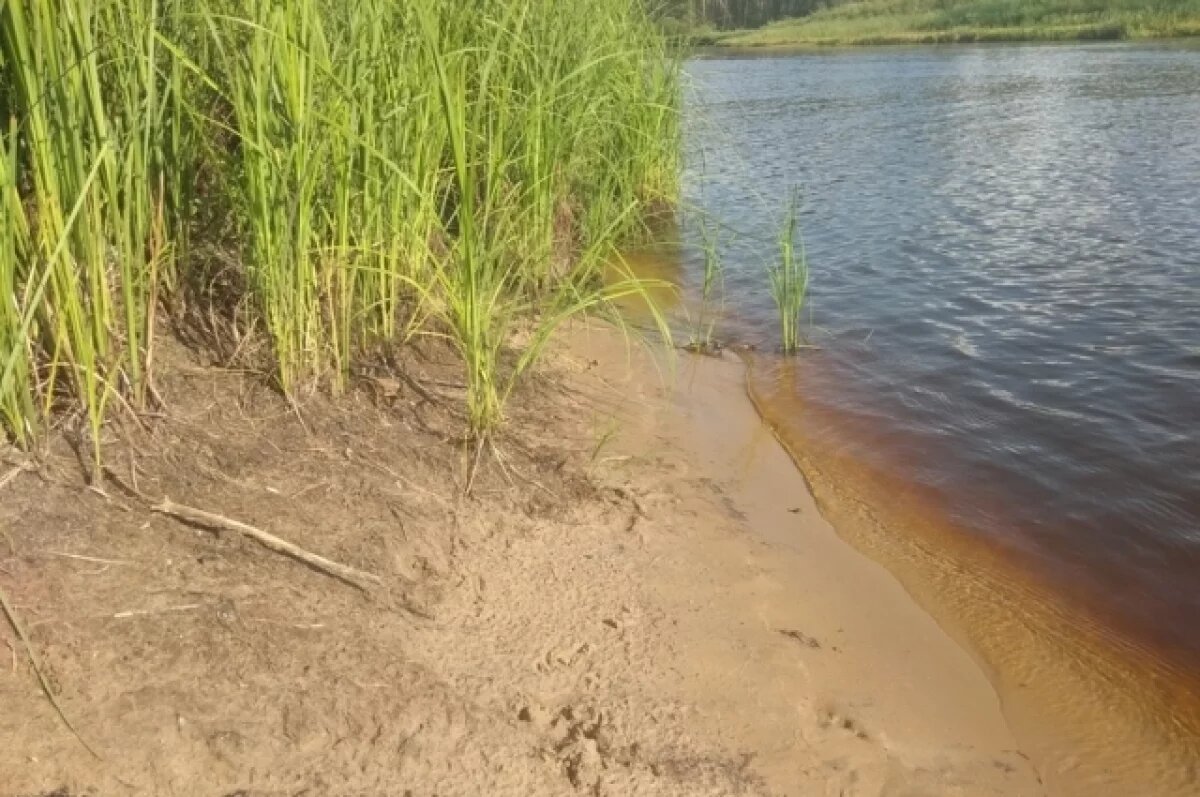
column 384, row 469
column 100, row 492
column 11, row 616
column 14, row 473
column 475, row 464
column 417, row 387
column 93, row 559
column 345, row 573
column 142, row 612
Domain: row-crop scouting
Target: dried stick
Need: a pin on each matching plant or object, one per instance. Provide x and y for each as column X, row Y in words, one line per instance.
column 14, row 473
column 93, row 559
column 350, row 575
column 187, row 607
column 11, row 616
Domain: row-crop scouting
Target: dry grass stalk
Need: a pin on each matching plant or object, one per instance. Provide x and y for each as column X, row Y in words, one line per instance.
column 11, row 615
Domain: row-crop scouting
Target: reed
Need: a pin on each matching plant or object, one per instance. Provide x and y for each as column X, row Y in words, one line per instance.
column 358, row 174
column 711, row 287
column 83, row 251
column 789, row 278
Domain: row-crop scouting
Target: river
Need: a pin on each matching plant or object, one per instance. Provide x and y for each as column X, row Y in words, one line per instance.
column 1004, row 372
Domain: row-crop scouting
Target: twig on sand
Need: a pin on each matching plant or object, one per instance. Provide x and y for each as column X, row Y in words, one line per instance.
column 93, row 559
column 11, row 616
column 418, row 388
column 14, row 473
column 406, row 482
column 475, row 464
column 506, row 465
column 187, row 607
column 352, row 576
column 92, row 488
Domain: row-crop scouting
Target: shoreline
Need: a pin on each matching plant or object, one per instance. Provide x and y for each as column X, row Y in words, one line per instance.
column 632, row 605
column 757, row 40
column 936, row 39
column 925, row 697
column 1096, row 711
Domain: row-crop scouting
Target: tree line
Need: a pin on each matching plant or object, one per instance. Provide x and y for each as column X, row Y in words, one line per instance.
column 736, row 13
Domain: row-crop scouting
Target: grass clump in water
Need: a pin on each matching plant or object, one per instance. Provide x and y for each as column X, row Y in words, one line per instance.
column 713, row 284
column 789, row 278
column 325, row 177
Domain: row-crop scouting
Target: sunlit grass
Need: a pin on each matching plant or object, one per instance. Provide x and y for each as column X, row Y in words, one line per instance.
column 86, row 163
column 359, row 174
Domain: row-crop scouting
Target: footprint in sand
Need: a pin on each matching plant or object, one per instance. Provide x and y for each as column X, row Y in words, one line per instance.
column 802, row 638
column 831, row 719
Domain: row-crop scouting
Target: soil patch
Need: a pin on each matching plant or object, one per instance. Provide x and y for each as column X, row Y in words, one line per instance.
column 594, row 618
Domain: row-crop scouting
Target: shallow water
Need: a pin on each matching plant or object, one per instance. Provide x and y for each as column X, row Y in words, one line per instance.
column 1005, row 257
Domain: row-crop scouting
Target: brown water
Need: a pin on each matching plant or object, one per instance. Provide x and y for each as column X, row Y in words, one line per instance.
column 1004, row 405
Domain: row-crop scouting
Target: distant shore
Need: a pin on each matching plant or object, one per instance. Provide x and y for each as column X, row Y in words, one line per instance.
column 850, row 25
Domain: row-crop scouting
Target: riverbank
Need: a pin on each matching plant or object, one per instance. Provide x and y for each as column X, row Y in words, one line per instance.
column 641, row 599
column 969, row 21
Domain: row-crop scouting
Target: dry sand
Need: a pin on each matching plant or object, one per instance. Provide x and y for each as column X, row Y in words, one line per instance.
column 643, row 599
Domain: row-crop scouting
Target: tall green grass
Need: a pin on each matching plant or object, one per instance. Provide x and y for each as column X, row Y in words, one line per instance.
column 789, row 278
column 354, row 174
column 84, row 248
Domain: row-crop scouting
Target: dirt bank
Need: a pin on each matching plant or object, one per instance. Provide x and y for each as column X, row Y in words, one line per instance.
column 638, row 598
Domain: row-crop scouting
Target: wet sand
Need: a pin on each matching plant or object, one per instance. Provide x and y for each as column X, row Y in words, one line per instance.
column 872, row 660
column 1098, row 712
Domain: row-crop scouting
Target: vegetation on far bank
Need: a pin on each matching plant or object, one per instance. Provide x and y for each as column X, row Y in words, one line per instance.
column 296, row 187
column 951, row 21
column 703, row 19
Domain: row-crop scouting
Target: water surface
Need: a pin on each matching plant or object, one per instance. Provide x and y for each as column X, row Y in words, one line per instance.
column 1005, row 254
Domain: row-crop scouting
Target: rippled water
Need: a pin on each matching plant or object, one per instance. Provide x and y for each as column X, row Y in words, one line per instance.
column 1005, row 257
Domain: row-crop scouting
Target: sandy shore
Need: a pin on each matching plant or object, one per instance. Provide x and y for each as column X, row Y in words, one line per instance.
column 639, row 598
column 877, row 698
